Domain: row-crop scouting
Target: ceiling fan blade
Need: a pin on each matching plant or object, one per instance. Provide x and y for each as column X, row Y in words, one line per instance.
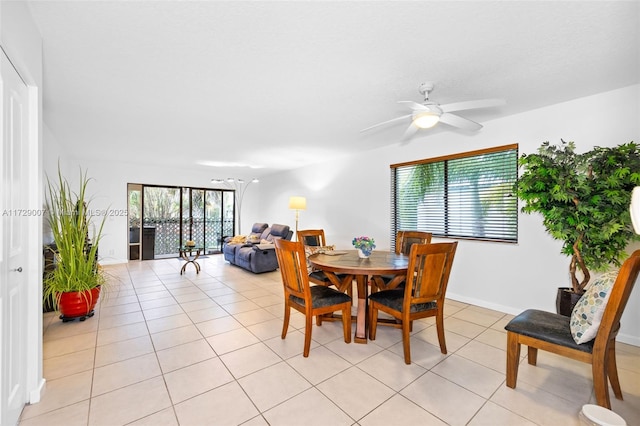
column 408, row 134
column 482, row 103
column 404, row 117
column 414, row 105
column 460, row 122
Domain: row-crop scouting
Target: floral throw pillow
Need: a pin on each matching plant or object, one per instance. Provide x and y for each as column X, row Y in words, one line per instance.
column 587, row 314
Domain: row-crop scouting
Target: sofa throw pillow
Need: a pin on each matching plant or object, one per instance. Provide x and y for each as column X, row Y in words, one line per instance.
column 587, row 314
column 309, row 250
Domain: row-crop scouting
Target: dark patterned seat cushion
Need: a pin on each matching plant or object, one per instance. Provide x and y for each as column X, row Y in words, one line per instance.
column 319, row 275
column 548, row 327
column 323, row 296
column 394, row 298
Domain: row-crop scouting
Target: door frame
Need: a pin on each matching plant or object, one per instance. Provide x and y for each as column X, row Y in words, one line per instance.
column 35, row 225
column 33, row 266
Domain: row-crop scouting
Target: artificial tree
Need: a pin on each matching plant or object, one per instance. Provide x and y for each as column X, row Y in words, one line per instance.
column 584, row 201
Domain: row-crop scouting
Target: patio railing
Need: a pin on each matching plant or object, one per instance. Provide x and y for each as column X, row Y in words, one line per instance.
column 207, row 233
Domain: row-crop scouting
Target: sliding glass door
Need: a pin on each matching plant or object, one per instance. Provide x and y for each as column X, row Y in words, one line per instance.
column 161, row 231
column 173, row 215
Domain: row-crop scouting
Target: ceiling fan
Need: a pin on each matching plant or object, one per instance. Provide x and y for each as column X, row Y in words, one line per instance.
column 429, row 113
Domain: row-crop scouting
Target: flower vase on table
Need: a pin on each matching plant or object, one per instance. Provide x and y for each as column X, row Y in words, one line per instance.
column 364, row 254
column 364, row 245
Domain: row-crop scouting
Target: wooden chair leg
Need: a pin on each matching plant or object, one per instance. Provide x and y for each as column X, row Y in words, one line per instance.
column 600, row 384
column 440, row 329
column 612, row 371
column 318, row 320
column 308, row 323
column 346, row 324
column 406, row 341
column 285, row 324
column 532, row 355
column 513, row 359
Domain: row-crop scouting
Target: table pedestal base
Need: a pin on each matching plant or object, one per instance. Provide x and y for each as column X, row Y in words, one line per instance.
column 188, row 260
column 361, row 319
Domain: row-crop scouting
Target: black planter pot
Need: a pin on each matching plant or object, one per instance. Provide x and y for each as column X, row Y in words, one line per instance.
column 566, row 299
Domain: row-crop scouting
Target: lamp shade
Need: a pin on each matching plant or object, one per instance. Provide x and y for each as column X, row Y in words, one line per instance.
column 635, row 209
column 297, row 203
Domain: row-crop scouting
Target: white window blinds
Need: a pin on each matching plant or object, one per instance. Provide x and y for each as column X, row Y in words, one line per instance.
column 467, row 195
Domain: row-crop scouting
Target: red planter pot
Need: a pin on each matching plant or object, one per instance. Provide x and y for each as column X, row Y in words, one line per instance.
column 77, row 304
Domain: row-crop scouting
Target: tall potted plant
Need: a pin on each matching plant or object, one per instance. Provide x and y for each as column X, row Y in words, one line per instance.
column 76, row 279
column 584, row 202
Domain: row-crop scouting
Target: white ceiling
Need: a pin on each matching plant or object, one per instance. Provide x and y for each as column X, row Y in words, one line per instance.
column 276, row 84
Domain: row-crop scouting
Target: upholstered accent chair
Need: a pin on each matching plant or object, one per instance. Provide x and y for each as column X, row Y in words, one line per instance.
column 422, row 296
column 307, row 299
column 552, row 333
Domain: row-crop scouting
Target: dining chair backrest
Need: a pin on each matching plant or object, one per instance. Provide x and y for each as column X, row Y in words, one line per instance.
column 405, row 239
column 626, row 279
column 428, row 272
column 312, row 237
column 293, row 268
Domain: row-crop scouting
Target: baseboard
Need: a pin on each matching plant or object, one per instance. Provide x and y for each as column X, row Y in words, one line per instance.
column 628, row 339
column 484, row 304
column 622, row 338
column 104, row 261
column 36, row 394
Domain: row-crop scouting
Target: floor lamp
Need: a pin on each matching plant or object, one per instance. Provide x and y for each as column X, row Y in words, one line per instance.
column 239, row 186
column 297, row 204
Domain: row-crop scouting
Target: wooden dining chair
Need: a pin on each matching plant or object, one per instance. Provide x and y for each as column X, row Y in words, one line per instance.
column 404, row 241
column 309, row 300
column 312, row 237
column 422, row 296
column 552, row 333
column 315, row 238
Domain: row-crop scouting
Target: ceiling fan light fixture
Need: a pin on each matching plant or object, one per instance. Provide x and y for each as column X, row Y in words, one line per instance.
column 425, row 120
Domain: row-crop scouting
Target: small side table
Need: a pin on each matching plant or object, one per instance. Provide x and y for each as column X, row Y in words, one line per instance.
column 187, row 253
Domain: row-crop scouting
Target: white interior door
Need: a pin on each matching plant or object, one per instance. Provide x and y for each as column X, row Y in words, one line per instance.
column 13, row 232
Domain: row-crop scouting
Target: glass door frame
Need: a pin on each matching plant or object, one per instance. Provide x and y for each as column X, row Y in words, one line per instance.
column 223, row 226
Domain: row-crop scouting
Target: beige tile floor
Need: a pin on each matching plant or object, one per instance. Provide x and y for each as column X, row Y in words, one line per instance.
column 205, row 349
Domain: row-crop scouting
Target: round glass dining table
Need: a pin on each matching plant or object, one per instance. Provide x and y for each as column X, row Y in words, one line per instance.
column 343, row 266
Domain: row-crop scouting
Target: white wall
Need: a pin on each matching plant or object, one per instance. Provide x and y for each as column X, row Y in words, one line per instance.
column 346, row 202
column 54, row 156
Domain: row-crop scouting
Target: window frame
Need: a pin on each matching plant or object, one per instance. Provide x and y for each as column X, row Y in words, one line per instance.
column 445, row 185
